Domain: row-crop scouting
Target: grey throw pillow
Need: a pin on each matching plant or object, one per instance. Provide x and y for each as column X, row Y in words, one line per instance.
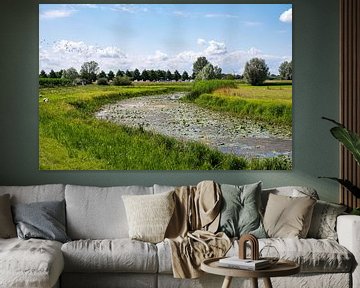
column 323, row 222
column 7, row 227
column 240, row 213
column 44, row 220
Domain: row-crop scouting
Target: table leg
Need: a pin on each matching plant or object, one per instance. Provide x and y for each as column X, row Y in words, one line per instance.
column 254, row 282
column 227, row 282
column 267, row 283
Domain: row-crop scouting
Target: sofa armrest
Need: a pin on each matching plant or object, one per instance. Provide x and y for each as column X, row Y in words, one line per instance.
column 348, row 230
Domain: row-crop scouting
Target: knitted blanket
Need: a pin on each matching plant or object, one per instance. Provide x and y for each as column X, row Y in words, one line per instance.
column 191, row 232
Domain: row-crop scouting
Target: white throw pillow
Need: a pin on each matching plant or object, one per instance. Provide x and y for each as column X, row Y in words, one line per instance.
column 149, row 215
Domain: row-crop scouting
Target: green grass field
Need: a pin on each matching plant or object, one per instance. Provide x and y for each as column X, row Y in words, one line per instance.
column 71, row 138
column 270, row 103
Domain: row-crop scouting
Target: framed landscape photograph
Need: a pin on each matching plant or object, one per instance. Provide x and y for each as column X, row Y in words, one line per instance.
column 165, row 86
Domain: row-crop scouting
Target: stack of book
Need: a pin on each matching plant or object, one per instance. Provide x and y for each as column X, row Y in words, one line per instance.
column 248, row 264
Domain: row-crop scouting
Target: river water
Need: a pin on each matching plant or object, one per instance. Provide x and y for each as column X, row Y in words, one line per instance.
column 167, row 115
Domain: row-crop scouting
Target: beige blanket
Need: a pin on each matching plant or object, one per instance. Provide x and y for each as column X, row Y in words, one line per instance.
column 191, row 231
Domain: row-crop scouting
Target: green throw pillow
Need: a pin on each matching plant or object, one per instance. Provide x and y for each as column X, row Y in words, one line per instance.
column 240, row 213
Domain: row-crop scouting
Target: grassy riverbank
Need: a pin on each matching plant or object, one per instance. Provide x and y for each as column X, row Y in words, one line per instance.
column 270, row 103
column 71, row 138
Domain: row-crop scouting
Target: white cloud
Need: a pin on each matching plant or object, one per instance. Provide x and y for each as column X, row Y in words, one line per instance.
column 158, row 56
column 286, row 16
column 65, row 53
column 129, row 8
column 92, row 6
column 201, row 42
column 53, row 14
column 110, row 52
column 254, row 51
column 66, row 46
column 215, row 48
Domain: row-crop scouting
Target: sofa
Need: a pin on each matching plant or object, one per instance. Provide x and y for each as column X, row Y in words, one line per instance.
column 100, row 253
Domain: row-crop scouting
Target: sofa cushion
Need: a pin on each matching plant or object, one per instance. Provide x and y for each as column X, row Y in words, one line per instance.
column 43, row 220
column 36, row 193
column 287, row 216
column 7, row 226
column 117, row 255
column 30, row 263
column 149, row 215
column 98, row 213
column 323, row 222
column 314, row 255
column 240, row 210
column 291, row 191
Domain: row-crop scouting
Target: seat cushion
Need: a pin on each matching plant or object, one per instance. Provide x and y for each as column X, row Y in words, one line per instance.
column 30, row 263
column 117, row 255
column 313, row 255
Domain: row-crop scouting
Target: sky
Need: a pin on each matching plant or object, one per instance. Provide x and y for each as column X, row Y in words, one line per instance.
column 163, row 36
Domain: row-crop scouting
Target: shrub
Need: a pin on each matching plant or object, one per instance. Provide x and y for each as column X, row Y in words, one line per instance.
column 206, row 87
column 122, row 81
column 102, row 81
column 54, row 82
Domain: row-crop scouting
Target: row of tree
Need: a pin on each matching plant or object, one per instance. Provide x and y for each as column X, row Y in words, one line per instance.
column 256, row 72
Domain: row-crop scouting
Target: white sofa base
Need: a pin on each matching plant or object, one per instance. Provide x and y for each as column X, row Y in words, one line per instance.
column 328, row 280
column 108, row 280
column 348, row 229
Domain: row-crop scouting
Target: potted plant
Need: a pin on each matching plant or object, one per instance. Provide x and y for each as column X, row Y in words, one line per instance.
column 351, row 141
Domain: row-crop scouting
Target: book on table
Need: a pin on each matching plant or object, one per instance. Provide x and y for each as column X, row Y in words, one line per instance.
column 249, row 264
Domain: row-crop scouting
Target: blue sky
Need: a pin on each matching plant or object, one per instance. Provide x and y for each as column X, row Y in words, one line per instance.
column 163, row 36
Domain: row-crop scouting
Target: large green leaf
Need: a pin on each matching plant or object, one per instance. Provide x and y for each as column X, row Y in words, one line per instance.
column 348, row 138
column 348, row 185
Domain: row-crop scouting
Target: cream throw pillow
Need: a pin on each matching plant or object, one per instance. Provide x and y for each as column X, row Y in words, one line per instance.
column 149, row 215
column 288, row 217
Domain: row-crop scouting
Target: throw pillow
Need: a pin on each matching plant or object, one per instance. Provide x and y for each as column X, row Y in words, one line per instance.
column 43, row 220
column 288, row 217
column 240, row 213
column 7, row 227
column 323, row 222
column 149, row 215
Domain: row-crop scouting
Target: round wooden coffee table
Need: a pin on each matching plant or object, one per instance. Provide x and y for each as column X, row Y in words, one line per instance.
column 281, row 268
